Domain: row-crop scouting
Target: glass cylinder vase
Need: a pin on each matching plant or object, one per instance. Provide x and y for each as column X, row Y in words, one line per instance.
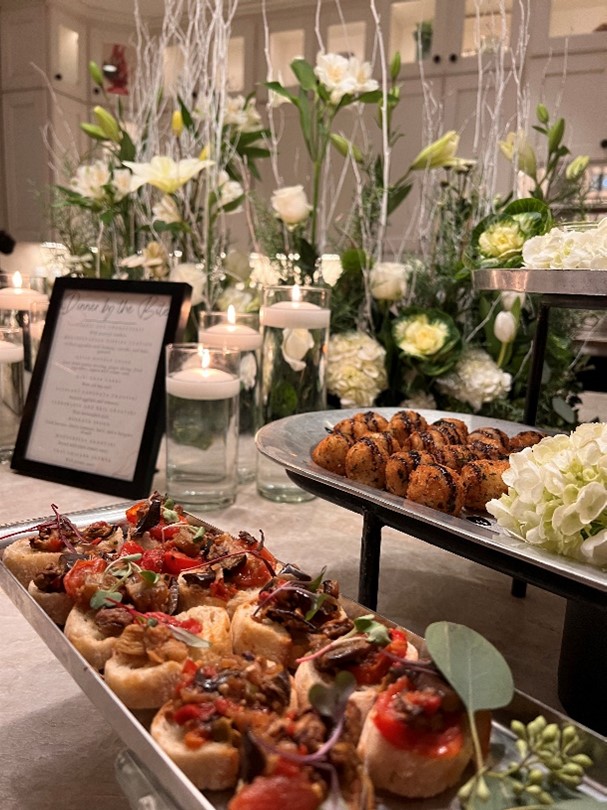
column 240, row 331
column 295, row 328
column 202, row 388
column 11, row 388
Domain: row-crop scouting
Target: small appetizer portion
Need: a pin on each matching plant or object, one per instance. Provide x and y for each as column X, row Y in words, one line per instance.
column 148, row 656
column 201, row 728
column 280, row 623
column 416, row 741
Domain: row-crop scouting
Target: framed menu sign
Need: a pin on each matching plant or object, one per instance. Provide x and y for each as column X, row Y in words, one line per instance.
column 94, row 412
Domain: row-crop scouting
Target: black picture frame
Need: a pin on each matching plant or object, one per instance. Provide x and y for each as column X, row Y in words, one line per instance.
column 159, row 310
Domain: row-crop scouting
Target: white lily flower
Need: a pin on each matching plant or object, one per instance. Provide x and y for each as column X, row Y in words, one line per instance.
column 167, row 174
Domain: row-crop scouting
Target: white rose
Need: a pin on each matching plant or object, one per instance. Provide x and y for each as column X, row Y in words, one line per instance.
column 191, row 274
column 291, row 205
column 388, row 281
column 331, row 268
column 248, row 370
column 295, row 345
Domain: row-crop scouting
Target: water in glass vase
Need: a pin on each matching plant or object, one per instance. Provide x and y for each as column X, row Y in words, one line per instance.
column 202, row 447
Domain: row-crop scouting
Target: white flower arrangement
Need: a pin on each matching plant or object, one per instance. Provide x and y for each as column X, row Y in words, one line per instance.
column 355, row 371
column 476, row 379
column 557, row 494
column 568, row 249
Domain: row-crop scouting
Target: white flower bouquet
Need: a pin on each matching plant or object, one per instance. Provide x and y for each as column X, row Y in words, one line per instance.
column 557, row 495
column 568, row 249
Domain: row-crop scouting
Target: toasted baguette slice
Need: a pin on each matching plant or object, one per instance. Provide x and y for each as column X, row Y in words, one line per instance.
column 56, row 605
column 81, row 630
column 191, row 595
column 263, row 637
column 406, row 772
column 25, row 562
column 212, row 766
column 143, row 684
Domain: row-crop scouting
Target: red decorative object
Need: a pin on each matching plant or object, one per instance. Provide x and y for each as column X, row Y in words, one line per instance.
column 116, row 71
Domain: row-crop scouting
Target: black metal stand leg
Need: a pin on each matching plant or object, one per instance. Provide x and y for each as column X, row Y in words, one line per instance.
column 519, row 588
column 583, row 665
column 370, row 551
column 534, row 379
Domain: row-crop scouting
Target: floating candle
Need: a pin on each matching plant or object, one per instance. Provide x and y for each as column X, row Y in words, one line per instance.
column 295, row 314
column 11, row 352
column 202, row 383
column 230, row 334
column 18, row 297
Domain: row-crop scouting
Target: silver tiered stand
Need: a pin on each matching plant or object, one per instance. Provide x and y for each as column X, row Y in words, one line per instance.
column 583, row 660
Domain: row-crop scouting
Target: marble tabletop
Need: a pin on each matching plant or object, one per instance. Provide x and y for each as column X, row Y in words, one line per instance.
column 58, row 751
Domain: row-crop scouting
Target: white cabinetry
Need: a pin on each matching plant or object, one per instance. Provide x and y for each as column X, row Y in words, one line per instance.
column 44, row 98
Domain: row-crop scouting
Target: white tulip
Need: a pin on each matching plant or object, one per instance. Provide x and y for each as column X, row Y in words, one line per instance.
column 504, row 327
column 508, row 299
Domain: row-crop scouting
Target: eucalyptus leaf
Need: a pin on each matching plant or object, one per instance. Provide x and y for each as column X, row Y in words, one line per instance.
column 475, row 669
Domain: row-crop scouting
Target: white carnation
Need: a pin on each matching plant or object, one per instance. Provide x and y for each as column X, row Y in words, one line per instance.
column 476, row 379
column 356, row 372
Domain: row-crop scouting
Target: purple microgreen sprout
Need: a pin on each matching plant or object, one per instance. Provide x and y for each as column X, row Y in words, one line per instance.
column 63, row 523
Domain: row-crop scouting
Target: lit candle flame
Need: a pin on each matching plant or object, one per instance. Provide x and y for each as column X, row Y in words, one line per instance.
column 231, row 315
column 296, row 293
column 17, row 279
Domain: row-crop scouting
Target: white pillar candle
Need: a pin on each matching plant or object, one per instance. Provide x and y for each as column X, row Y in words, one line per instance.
column 202, row 383
column 10, row 352
column 295, row 315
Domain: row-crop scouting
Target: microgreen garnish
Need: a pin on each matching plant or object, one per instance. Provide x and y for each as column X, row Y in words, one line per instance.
column 64, row 525
column 169, row 515
column 174, row 625
column 318, row 601
column 316, row 583
column 120, row 570
column 200, row 533
column 375, row 631
column 330, row 701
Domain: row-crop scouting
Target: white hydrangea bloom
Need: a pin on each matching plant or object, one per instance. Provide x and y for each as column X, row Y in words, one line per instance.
column 356, row 372
column 476, row 379
column 568, row 249
column 557, row 494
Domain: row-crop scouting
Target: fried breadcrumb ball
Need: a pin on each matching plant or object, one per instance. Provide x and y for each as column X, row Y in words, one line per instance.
column 366, row 462
column 482, row 481
column 526, row 438
column 362, row 423
column 454, row 430
column 399, row 468
column 404, row 423
column 453, row 455
column 437, row 487
column 491, row 435
column 330, row 452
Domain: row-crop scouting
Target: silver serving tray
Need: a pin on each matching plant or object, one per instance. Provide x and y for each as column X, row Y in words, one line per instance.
column 150, row 779
column 289, row 442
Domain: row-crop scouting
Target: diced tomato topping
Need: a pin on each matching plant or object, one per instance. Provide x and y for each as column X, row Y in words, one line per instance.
column 221, row 590
column 254, row 574
column 189, row 624
column 132, row 513
column 54, row 544
column 193, row 711
column 153, row 560
column 164, row 531
column 130, row 547
column 174, row 562
column 188, row 671
column 372, row 670
column 284, row 767
column 194, row 739
column 276, row 793
column 441, row 743
column 75, row 580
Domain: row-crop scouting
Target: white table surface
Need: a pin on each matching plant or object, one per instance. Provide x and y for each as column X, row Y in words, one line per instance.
column 58, row 752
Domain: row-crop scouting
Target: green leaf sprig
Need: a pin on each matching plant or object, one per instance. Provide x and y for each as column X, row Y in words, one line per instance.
column 120, row 570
